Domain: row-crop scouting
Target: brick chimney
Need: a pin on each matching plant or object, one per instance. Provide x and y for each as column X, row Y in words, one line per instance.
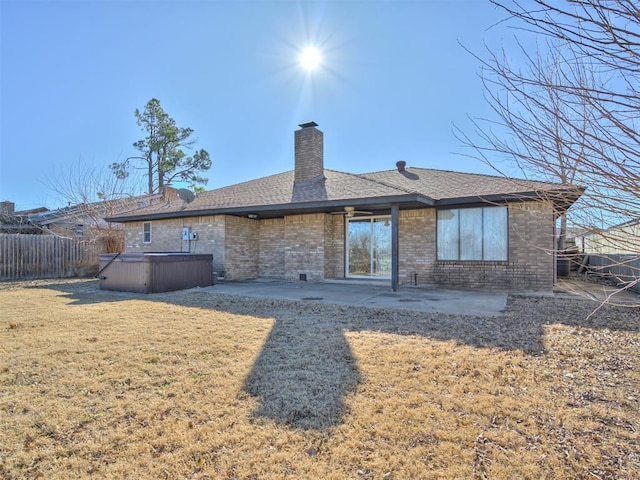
column 309, row 164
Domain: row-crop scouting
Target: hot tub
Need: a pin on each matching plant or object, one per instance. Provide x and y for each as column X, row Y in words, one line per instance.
column 154, row 272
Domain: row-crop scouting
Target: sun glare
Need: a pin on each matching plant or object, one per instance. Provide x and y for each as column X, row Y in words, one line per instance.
column 310, row 58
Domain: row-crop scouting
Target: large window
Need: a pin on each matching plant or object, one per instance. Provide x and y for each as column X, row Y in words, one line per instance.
column 146, row 232
column 479, row 234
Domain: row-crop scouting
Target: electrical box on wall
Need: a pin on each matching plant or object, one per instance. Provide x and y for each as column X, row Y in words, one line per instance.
column 193, row 236
column 186, row 231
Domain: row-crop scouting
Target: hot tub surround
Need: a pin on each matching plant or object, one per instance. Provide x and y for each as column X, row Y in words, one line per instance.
column 144, row 272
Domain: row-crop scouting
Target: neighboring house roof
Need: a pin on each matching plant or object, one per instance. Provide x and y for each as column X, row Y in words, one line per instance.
column 32, row 211
column 17, row 223
column 277, row 194
column 40, row 220
column 600, row 231
column 60, row 214
column 90, row 213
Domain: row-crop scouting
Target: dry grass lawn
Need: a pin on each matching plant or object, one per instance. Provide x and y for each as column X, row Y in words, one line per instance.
column 197, row 385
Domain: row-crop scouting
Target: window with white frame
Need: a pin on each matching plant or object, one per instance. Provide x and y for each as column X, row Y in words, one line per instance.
column 146, row 232
column 473, row 234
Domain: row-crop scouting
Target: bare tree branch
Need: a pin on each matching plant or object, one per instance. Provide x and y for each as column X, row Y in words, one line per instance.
column 570, row 112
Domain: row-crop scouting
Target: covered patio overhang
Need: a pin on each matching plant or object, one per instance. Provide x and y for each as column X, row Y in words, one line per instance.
column 379, row 205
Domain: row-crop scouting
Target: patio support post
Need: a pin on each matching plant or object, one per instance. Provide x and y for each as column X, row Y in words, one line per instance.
column 395, row 256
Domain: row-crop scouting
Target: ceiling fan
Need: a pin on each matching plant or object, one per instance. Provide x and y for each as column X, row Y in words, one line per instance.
column 351, row 211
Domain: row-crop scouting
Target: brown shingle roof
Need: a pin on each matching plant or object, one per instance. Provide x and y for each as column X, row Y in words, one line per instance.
column 277, row 193
column 279, row 189
column 444, row 184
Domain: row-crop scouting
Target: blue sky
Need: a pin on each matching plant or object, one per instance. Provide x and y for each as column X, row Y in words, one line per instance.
column 393, row 82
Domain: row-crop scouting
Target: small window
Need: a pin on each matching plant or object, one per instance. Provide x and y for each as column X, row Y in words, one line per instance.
column 473, row 234
column 146, row 232
column 79, row 230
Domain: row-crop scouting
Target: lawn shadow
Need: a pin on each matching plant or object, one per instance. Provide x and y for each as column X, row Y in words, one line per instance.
column 303, row 373
column 86, row 291
column 306, row 367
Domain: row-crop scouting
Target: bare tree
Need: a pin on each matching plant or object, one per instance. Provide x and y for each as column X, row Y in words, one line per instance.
column 90, row 195
column 572, row 113
column 604, row 36
column 532, row 114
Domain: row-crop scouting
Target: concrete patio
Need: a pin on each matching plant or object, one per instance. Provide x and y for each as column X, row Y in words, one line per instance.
column 373, row 294
column 378, row 294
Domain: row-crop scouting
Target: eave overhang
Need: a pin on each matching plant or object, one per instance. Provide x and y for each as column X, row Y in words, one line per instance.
column 272, row 211
column 561, row 198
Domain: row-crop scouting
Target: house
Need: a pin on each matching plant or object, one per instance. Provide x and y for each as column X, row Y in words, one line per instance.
column 621, row 239
column 406, row 225
column 82, row 221
column 85, row 221
column 81, row 229
column 612, row 254
column 20, row 222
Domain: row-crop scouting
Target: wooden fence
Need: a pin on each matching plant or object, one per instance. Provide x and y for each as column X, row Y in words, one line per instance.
column 41, row 256
column 624, row 267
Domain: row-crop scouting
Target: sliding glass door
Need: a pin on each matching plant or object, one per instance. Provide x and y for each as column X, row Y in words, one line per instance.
column 369, row 247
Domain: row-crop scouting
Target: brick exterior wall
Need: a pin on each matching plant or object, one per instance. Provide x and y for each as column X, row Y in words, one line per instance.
column 241, row 248
column 334, row 253
column 271, row 248
column 214, row 241
column 530, row 260
column 284, row 248
column 304, row 246
column 166, row 236
column 417, row 244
